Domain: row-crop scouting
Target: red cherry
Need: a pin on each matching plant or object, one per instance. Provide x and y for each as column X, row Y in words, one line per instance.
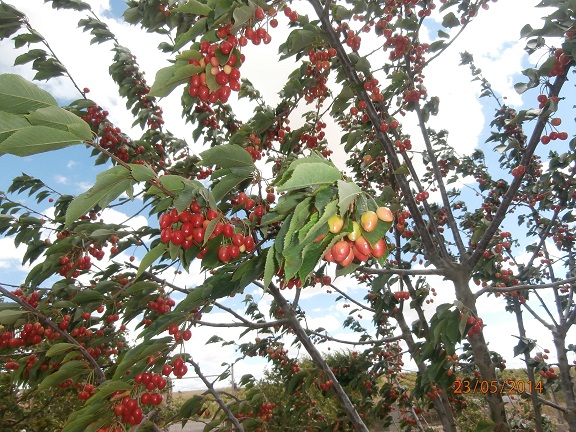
column 238, row 239
column 211, row 214
column 250, row 203
column 228, row 230
column 249, row 243
column 223, row 254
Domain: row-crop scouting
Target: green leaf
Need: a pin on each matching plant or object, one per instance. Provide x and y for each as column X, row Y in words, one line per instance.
column 194, row 7
column 37, row 139
column 226, row 184
column 142, row 173
column 168, row 78
column 88, row 296
column 60, row 348
column 67, row 370
column 347, row 193
column 227, row 156
column 311, row 174
column 190, row 408
column 58, row 118
column 109, row 185
column 402, row 170
column 269, row 268
column 150, row 257
column 19, row 96
column 242, row 14
column 140, row 352
column 450, row 20
column 10, row 123
column 9, row 317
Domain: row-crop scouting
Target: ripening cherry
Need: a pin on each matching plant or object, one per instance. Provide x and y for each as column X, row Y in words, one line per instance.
column 379, row 249
column 385, row 214
column 556, row 121
column 335, row 224
column 369, row 221
column 340, row 250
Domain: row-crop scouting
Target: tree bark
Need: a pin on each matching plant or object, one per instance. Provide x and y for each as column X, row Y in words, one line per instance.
column 482, row 358
column 565, row 378
column 529, row 371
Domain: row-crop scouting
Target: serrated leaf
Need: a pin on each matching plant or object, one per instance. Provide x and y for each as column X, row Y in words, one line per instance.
column 9, row 317
column 67, row 370
column 311, row 174
column 168, row 78
column 150, row 257
column 194, row 7
column 88, row 296
column 10, row 123
column 19, row 96
column 60, row 348
column 269, row 268
column 109, row 185
column 227, row 156
column 190, row 408
column 142, row 173
column 59, row 118
column 450, row 20
column 347, row 193
column 37, row 139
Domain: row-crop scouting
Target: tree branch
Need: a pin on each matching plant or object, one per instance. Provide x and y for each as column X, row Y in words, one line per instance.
column 100, row 377
column 508, row 197
column 217, row 397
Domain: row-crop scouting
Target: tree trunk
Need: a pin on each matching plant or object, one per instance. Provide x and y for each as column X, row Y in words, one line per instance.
column 441, row 404
column 565, row 378
column 529, row 371
column 481, row 353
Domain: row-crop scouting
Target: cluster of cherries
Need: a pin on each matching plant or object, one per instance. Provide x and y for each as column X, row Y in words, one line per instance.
column 355, row 247
column 130, row 411
column 561, row 60
column 71, row 268
column 316, row 70
column 401, row 295
column 554, row 135
column 178, row 368
column 265, row 411
column 30, row 334
column 222, row 61
column 188, row 228
column 111, row 137
column 87, row 392
column 476, row 323
column 179, row 335
column 32, row 299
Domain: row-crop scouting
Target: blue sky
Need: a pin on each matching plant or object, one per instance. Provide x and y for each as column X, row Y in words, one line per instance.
column 69, row 171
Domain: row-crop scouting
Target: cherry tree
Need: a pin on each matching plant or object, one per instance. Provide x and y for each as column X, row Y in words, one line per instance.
column 265, row 206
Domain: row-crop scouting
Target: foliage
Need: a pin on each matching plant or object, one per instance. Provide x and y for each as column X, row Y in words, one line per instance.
column 265, row 206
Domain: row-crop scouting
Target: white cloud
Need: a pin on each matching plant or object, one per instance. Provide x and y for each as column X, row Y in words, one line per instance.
column 60, row 179
column 11, row 256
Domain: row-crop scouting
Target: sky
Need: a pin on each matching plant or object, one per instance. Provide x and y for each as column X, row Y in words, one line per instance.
column 497, row 52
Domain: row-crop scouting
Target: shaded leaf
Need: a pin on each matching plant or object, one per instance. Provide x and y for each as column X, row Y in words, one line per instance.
column 20, row 96
column 37, row 139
